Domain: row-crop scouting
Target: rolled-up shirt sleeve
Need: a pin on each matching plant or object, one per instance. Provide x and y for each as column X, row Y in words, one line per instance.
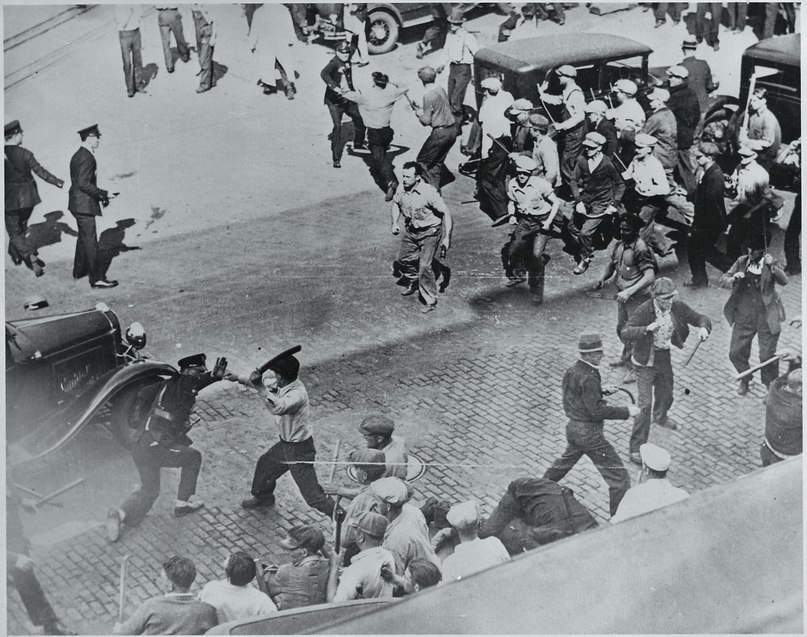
column 288, row 403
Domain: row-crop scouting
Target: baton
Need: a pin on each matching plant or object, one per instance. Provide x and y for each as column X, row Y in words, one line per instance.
column 697, row 345
column 498, row 143
column 337, row 533
column 748, row 372
column 124, row 567
column 59, row 492
column 335, row 458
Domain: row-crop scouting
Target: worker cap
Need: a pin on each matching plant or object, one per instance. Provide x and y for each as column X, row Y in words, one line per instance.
column 285, row 364
column 457, row 16
column 678, row 71
column 90, row 131
column 197, row 360
column 360, row 457
column 794, row 379
column 525, row 164
column 746, row 151
column 689, row 43
column 663, row 287
column 593, row 140
column 492, row 84
column 634, row 222
column 627, row 87
column 521, row 105
column 304, row 536
column 35, row 302
column 643, row 140
column 391, row 490
column 654, row 457
column 661, row 94
column 709, row 148
column 369, row 522
column 464, row 515
column 597, row 106
column 377, row 424
column 566, row 71
column 589, row 342
column 12, row 128
column 538, row 121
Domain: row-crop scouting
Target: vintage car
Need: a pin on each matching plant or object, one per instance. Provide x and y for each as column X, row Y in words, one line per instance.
column 600, row 61
column 63, row 370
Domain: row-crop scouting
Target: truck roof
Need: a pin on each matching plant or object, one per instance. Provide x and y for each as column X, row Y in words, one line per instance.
column 550, row 51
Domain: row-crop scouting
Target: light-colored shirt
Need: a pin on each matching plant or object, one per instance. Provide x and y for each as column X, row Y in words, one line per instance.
column 545, row 152
column 472, row 557
column 648, row 175
column 662, row 337
column 648, row 496
column 763, row 130
column 365, row 500
column 493, row 120
column 573, row 101
column 531, row 199
column 407, row 537
column 375, row 104
column 419, row 204
column 236, row 602
column 291, row 412
column 459, row 48
column 396, row 458
column 362, row 579
column 128, row 16
column 629, row 115
column 751, row 179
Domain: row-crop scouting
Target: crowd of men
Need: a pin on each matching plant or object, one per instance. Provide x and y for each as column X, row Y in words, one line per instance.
column 601, row 176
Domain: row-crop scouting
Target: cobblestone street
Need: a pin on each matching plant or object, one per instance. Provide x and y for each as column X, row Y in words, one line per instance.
column 267, row 255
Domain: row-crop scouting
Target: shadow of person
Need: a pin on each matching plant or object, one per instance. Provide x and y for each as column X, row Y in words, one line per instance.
column 49, row 232
column 366, row 157
column 110, row 243
column 219, row 71
column 146, row 75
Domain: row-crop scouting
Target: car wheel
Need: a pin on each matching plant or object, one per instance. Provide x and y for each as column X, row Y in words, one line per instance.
column 129, row 411
column 383, row 32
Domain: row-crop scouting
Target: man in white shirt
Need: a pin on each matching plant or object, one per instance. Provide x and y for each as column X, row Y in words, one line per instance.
column 458, row 53
column 573, row 126
column 472, row 554
column 654, row 491
column 377, row 431
column 234, row 598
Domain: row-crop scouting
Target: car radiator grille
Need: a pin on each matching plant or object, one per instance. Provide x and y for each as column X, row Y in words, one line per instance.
column 75, row 373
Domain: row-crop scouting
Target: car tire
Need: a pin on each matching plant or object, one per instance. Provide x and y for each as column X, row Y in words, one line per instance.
column 129, row 411
column 382, row 32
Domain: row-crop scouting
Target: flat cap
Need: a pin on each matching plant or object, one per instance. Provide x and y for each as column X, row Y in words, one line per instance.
column 304, row 536
column 391, row 490
column 593, row 140
column 464, row 515
column 596, row 106
column 709, row 148
column 678, row 71
column 12, row 128
column 366, row 456
column 525, row 163
column 197, row 360
column 628, row 87
column 492, row 84
column 369, row 522
column 566, row 70
column 538, row 121
column 654, row 457
column 661, row 94
column 746, row 151
column 457, row 16
column 644, row 140
column 632, row 221
column 589, row 342
column 90, row 131
column 521, row 105
column 377, row 424
column 689, row 43
column 663, row 287
column 35, row 302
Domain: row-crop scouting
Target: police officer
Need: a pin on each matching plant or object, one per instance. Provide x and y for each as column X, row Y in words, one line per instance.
column 164, row 443
column 21, row 197
column 338, row 78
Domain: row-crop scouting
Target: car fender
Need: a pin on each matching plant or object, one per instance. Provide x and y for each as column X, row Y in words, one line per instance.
column 53, row 433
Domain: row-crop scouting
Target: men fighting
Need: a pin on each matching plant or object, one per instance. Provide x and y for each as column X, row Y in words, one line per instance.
column 573, row 125
column 435, row 113
column 338, row 78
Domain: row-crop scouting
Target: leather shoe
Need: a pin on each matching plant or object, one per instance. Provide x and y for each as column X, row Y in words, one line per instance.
column 186, row 508
column 37, row 267
column 361, row 146
column 429, row 308
column 742, row 390
column 171, row 70
column 582, row 266
column 446, row 279
column 635, row 458
column 258, row 503
column 666, row 423
column 692, row 284
column 514, row 282
column 114, row 525
column 336, row 163
column 410, row 289
column 103, row 284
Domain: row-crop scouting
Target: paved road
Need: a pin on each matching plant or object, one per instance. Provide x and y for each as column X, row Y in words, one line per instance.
column 244, row 253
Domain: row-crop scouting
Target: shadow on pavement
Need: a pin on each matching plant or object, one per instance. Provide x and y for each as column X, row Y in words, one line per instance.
column 50, row 231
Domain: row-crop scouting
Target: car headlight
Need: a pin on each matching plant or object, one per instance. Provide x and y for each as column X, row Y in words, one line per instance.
column 136, row 336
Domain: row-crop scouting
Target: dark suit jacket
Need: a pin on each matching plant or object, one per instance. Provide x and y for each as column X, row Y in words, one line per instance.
column 771, row 275
column 607, row 129
column 700, row 79
column 85, row 196
column 332, row 76
column 685, row 106
column 599, row 189
column 682, row 317
column 21, row 191
column 710, row 206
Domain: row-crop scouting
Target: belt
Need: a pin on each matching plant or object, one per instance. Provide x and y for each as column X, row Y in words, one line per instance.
column 460, row 64
column 781, row 456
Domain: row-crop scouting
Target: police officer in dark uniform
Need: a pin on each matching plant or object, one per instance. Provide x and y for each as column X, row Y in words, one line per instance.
column 338, row 77
column 21, row 197
column 164, row 443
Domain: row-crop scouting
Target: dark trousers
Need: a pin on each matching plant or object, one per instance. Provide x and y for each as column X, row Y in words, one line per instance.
column 524, row 254
column 742, row 335
column 767, row 456
column 132, row 59
column 149, row 460
column 378, row 141
column 434, row 152
column 459, row 76
column 708, row 29
column 274, row 463
column 623, row 312
column 17, row 228
column 583, row 229
column 674, row 9
column 33, row 597
column 656, row 378
column 491, row 181
column 170, row 22
column 352, row 111
column 572, row 149
column 792, row 238
column 737, row 14
column 702, row 248
column 88, row 260
column 588, row 439
column 204, row 51
column 438, row 27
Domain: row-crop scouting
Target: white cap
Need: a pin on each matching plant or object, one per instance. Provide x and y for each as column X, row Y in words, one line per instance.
column 463, row 515
column 492, row 84
column 523, row 162
column 626, row 86
column 654, row 457
column 391, row 490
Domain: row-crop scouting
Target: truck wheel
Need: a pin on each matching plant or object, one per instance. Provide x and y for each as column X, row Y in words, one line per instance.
column 382, row 33
column 129, row 411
